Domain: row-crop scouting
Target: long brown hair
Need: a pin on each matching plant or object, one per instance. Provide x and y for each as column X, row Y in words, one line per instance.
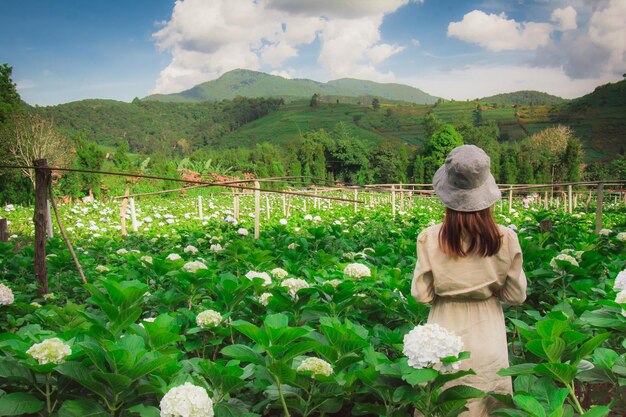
column 478, row 228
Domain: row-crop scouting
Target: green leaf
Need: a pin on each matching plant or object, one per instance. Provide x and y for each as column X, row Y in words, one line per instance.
column 243, row 353
column 19, row 403
column 116, row 382
column 520, row 369
column 299, row 348
column 529, row 404
column 144, row 410
column 283, row 372
column 81, row 374
column 597, row 411
column 554, row 348
column 549, row 329
column 275, row 325
column 589, row 346
column 560, row 371
column 82, row 408
column 253, row 332
column 460, row 392
column 419, row 376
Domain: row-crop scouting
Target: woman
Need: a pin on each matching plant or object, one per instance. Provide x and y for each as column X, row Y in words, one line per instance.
column 466, row 266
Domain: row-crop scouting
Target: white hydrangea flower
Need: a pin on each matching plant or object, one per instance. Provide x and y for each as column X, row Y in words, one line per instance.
column 279, row 273
column 315, row 365
column 308, row 217
column 427, row 344
column 243, row 232
column 147, row 259
column 6, row 295
column 317, row 219
column 605, row 232
column 621, row 299
column 563, row 257
column 620, row 281
column 263, row 275
column 208, row 318
column 333, row 283
column 50, row 351
column 215, row 248
column 121, row 251
column 294, row 285
column 173, row 257
column 194, row 266
column 190, row 249
column 186, row 400
column 621, row 236
column 49, row 296
column 283, row 222
column 357, row 270
column 102, row 268
column 264, row 298
column 293, row 246
column 35, row 304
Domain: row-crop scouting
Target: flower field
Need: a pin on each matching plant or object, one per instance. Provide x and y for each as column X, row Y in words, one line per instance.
column 194, row 317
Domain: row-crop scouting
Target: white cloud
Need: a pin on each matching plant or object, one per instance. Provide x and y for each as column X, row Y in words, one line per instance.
column 497, row 33
column 285, row 74
column 565, row 18
column 415, row 43
column 608, row 31
column 480, row 81
column 208, row 38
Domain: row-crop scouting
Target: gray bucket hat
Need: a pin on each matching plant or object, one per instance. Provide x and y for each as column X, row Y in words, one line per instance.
column 464, row 182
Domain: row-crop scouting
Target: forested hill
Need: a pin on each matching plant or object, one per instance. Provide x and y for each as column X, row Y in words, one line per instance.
column 248, row 83
column 527, row 97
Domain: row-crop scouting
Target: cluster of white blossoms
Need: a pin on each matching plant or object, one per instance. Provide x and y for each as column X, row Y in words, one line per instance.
column 333, row 283
column 215, row 248
column 173, row 257
column 208, row 318
column 605, row 232
column 186, row 400
column 146, row 259
column 621, row 236
column 578, row 254
column 264, row 298
column 102, row 268
column 49, row 296
column 357, row 270
column 315, row 365
column 308, row 217
column 50, row 351
column 190, row 249
column 6, row 295
column 563, row 257
column 194, row 266
column 243, row 232
column 121, row 251
column 279, row 273
column 293, row 246
column 294, row 285
column 427, row 344
column 263, row 275
column 621, row 299
column 620, row 281
column 283, row 222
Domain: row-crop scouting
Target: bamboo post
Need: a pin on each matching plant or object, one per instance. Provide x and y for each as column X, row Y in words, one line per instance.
column 546, row 203
column 510, row 199
column 49, row 229
column 393, row 201
column 356, row 194
column 42, row 183
column 4, row 230
column 288, row 207
column 257, row 210
column 267, row 207
column 599, row 201
column 123, row 213
column 571, row 199
column 200, row 214
column 133, row 214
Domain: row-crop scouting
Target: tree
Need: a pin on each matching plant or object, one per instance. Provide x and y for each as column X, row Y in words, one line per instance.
column 9, row 97
column 120, row 157
column 418, row 169
column 442, row 142
column 375, row 103
column 572, row 160
column 315, row 100
column 32, row 138
column 431, row 124
column 390, row 162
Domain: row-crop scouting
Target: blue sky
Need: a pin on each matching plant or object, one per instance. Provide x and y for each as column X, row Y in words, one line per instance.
column 67, row 50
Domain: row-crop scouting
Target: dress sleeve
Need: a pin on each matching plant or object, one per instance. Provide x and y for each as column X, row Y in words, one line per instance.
column 422, row 287
column 514, row 289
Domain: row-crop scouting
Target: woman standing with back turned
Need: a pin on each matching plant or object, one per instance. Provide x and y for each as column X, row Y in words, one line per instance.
column 466, row 266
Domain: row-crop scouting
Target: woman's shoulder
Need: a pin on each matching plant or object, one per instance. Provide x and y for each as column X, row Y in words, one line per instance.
column 428, row 232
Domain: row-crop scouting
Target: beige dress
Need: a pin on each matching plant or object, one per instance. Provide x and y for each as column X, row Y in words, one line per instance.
column 465, row 293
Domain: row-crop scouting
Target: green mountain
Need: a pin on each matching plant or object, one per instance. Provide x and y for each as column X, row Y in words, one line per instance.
column 528, row 97
column 248, row 83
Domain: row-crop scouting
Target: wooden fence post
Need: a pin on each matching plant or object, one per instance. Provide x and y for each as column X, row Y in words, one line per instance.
column 257, row 210
column 49, row 229
column 356, row 196
column 268, row 208
column 200, row 214
column 393, row 201
column 546, row 203
column 123, row 213
column 43, row 180
column 4, row 230
column 599, row 201
column 510, row 199
column 571, row 199
column 133, row 214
